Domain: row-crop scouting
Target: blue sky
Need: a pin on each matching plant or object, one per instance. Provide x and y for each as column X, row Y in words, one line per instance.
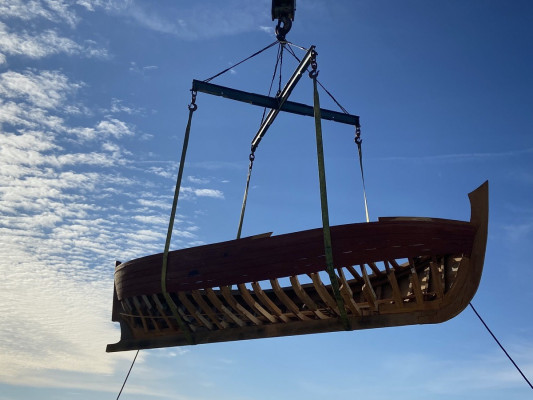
column 93, row 107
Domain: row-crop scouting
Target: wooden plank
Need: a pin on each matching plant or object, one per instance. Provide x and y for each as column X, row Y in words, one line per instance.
column 228, row 296
column 263, row 297
column 198, row 297
column 375, row 269
column 162, row 312
column 368, row 290
column 186, row 319
column 149, row 308
column 244, row 260
column 191, row 308
column 254, row 304
column 323, row 293
column 286, row 301
column 354, row 273
column 347, row 294
column 396, row 293
column 436, row 278
column 304, row 297
column 416, row 283
column 137, row 307
column 213, row 298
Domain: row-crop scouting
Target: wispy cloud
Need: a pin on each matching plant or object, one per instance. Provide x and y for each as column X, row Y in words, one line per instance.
column 46, row 43
column 47, row 89
column 460, row 157
column 52, row 10
column 64, row 217
column 191, row 20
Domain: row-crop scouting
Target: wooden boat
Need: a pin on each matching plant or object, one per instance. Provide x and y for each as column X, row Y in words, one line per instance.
column 397, row 271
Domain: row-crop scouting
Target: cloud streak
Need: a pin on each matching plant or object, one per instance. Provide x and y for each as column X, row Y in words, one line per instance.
column 44, row 44
column 65, row 216
column 461, row 157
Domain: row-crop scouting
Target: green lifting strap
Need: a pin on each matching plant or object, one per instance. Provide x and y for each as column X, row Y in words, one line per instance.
column 324, row 202
column 184, row 328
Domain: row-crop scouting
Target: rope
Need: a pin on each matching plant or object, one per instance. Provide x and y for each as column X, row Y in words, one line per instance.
column 359, row 143
column 125, row 380
column 358, row 139
column 243, row 208
column 324, row 202
column 272, row 81
column 501, row 347
column 183, row 327
column 281, row 46
column 240, row 62
column 291, row 51
column 279, row 61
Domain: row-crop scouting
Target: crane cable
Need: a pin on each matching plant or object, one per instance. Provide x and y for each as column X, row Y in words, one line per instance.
column 358, row 141
column 279, row 62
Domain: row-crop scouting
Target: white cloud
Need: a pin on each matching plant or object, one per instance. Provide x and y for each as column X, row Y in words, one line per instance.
column 63, row 220
column 114, row 127
column 44, row 44
column 267, row 29
column 190, row 21
column 53, row 10
column 188, row 192
column 218, row 194
column 117, row 106
column 461, row 157
column 2, row 59
column 46, row 89
column 200, row 181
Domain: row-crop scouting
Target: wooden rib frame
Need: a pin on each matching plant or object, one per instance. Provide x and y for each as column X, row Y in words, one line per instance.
column 422, row 290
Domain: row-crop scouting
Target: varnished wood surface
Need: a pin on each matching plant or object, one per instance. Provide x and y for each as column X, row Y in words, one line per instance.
column 428, row 274
column 250, row 260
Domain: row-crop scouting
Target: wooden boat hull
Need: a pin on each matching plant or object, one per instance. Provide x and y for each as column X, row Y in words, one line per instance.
column 397, row 271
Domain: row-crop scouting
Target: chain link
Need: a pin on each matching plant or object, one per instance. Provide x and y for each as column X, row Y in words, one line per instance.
column 193, row 107
column 314, row 72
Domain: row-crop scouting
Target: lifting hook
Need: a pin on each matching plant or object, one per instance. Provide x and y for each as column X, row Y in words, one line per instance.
column 283, row 11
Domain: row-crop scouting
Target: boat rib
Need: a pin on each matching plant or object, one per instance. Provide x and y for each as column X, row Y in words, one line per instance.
column 413, row 271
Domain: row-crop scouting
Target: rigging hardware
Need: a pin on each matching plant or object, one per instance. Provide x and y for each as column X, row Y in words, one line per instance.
column 283, row 11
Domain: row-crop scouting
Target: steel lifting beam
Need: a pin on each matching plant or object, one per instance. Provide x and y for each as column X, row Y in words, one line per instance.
column 283, row 96
column 271, row 102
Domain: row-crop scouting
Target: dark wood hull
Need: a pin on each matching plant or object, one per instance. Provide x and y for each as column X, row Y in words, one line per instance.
column 397, row 271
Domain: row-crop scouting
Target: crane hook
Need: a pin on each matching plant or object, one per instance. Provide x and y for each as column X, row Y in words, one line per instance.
column 283, row 11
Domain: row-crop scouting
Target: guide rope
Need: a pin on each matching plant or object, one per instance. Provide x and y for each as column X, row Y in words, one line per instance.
column 126, row 379
column 501, row 346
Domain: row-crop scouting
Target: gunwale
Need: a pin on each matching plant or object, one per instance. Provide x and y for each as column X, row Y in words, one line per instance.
column 443, row 271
